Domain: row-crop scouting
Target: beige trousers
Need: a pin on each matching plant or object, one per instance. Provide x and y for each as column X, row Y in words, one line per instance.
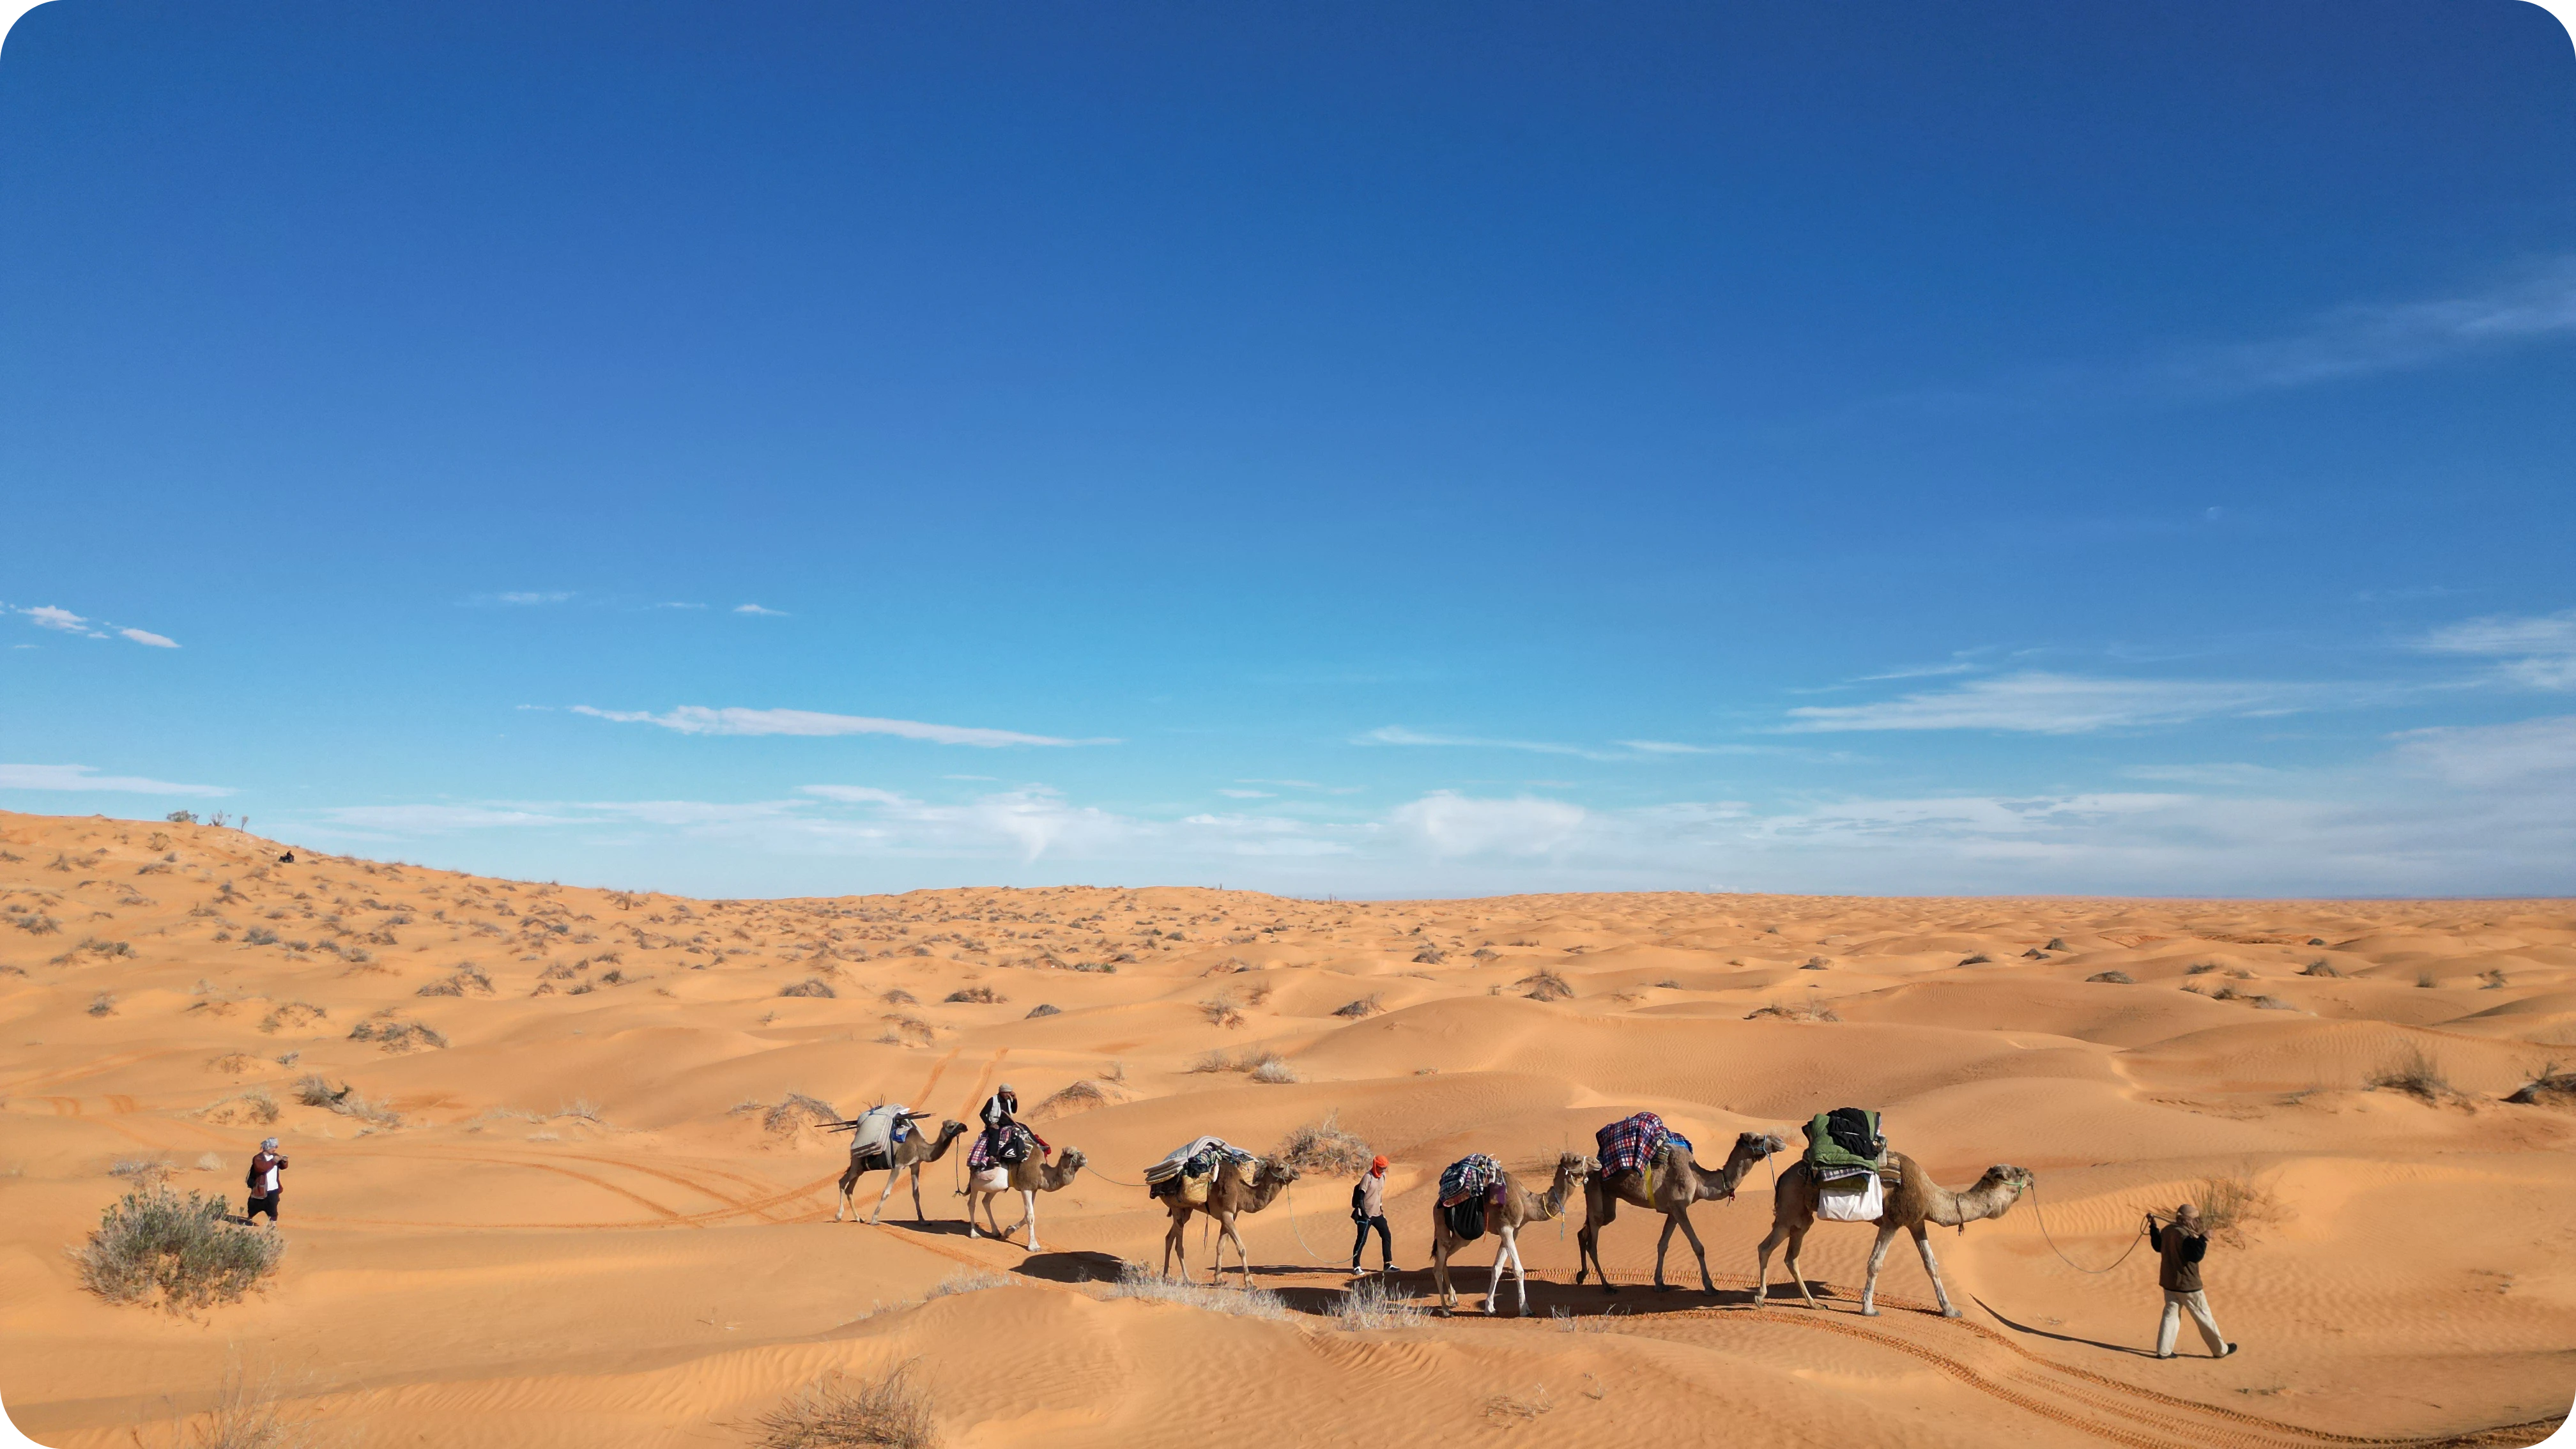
column 2197, row 1305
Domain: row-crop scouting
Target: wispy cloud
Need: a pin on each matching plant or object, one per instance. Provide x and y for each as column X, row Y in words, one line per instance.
column 1304, row 785
column 692, row 719
column 48, row 616
column 2360, row 340
column 2035, row 702
column 2229, row 774
column 2492, row 755
column 84, row 777
column 756, row 609
column 1626, row 749
column 1248, row 794
column 1920, row 671
column 1448, row 824
column 533, row 596
column 2534, row 650
column 146, row 636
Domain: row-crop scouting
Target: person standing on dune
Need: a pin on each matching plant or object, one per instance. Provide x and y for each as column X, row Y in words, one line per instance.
column 263, row 1182
column 1368, row 1210
column 2183, row 1244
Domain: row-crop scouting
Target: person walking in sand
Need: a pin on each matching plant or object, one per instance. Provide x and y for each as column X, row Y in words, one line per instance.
column 1368, row 1210
column 2183, row 1244
column 263, row 1182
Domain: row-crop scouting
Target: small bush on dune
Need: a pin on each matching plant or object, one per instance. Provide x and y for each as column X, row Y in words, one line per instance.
column 1138, row 1282
column 2412, row 1071
column 1370, row 1305
column 2319, row 967
column 1368, row 1005
column 154, row 1243
column 798, row 1110
column 834, row 1413
column 2113, row 978
column 2550, row 1088
column 103, row 1004
column 396, row 1035
column 1545, row 985
column 810, row 986
column 1274, row 1071
column 2231, row 1205
column 246, row 1416
column 976, row 996
column 1324, row 1146
column 897, row 996
column 1075, row 1097
column 253, row 1107
column 2200, row 968
column 1796, row 1011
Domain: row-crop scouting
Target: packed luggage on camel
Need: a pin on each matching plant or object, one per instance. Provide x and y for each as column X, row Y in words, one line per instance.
column 1478, row 1197
column 1849, row 1175
column 1646, row 1164
column 1212, row 1176
column 887, row 1139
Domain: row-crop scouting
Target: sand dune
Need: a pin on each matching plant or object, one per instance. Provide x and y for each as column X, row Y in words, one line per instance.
column 576, row 1218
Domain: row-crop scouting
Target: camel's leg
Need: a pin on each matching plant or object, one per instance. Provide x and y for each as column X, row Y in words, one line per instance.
column 1662, row 1243
column 1440, row 1265
column 1588, row 1241
column 1502, row 1260
column 1797, row 1240
column 1932, row 1269
column 1029, row 1200
column 1172, row 1245
column 1242, row 1254
column 1706, row 1284
column 1877, row 1255
column 918, row 1215
column 849, row 1180
column 1762, row 1261
column 1511, row 1246
column 885, row 1192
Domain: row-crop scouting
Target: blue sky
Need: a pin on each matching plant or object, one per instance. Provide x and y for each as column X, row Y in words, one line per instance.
column 1376, row 450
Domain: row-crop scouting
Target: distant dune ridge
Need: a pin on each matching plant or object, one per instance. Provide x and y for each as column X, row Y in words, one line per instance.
column 560, row 1175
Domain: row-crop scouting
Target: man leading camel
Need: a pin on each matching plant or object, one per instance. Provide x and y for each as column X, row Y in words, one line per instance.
column 1368, row 1209
column 2182, row 1244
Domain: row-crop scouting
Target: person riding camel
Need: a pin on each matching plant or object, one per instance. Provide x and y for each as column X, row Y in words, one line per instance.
column 1001, row 1117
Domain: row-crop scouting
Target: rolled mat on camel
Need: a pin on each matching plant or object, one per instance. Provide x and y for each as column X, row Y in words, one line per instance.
column 1848, row 1156
column 1189, row 1170
column 1017, row 1145
column 1464, row 1186
column 876, row 1133
column 1634, row 1142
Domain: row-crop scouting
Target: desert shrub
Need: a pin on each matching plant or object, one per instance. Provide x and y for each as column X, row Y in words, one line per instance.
column 1274, row 1071
column 2319, row 967
column 2413, row 1071
column 1796, row 1011
column 1369, row 1305
column 1109, row 968
column 36, row 923
column 467, row 977
column 1135, row 1281
column 2229, row 1206
column 2200, row 968
column 907, row 1031
column 294, row 1014
column 810, row 986
column 2427, row 980
column 2273, row 1003
column 2491, row 980
column 1324, row 1146
column 181, row 817
column 254, row 1107
column 586, row 1110
column 976, row 996
column 245, row 1416
column 1368, row 1005
column 397, row 1036
column 1074, row 1097
column 103, row 1004
column 1545, row 985
column 2114, row 978
column 1222, row 1010
column 968, row 1280
column 154, row 1243
column 2055, row 943
column 312, row 1091
column 259, row 936
column 1429, row 955
column 1671, row 984
column 2551, row 1087
column 833, row 1413
column 798, row 1110
column 897, row 996
column 143, row 1170
column 1979, row 959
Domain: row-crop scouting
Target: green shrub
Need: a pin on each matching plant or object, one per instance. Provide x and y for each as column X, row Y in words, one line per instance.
column 152, row 1243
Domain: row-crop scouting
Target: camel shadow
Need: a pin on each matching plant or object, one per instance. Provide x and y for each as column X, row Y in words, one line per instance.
column 934, row 1227
column 1072, row 1267
column 2057, row 1337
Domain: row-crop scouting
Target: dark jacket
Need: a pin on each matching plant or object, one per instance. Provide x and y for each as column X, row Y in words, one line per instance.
column 2180, row 1270
column 257, row 1178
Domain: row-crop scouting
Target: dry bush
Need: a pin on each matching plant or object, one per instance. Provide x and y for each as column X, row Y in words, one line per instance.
column 798, row 1110
column 1221, row 1010
column 146, row 1171
column 1979, row 959
column 1324, row 1146
column 1369, row 1305
column 1512, row 1409
column 396, row 1035
column 251, row 1108
column 2492, row 980
column 2114, row 978
column 1545, row 985
column 897, row 996
column 968, row 1280
column 1043, row 1009
column 2229, row 1206
column 1368, row 1005
column 2319, row 967
column 2550, row 1087
column 1135, row 1281
column 153, row 1243
column 2200, row 968
column 245, row 1416
column 2274, row 1003
column 907, row 1031
column 810, row 986
column 2413, row 1071
column 833, row 1413
column 293, row 1015
column 1796, row 1011
column 466, row 979
column 1078, row 1096
column 103, row 1004
column 975, row 996
column 1273, row 1070
column 312, row 1091
column 2427, row 980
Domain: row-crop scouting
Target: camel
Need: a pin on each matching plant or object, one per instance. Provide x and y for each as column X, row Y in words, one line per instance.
column 1234, row 1191
column 1914, row 1202
column 1029, row 1176
column 1505, row 1215
column 1677, row 1182
column 910, row 1152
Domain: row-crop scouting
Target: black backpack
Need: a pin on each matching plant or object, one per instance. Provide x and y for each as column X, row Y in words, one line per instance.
column 1854, row 1131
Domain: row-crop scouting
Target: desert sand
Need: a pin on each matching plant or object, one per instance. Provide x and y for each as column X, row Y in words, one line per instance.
column 585, row 1207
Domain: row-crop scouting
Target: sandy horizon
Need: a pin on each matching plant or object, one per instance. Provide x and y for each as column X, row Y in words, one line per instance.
column 585, row 1203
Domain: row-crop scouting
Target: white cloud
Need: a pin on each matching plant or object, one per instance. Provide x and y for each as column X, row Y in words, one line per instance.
column 1628, row 749
column 2218, row 774
column 1249, row 794
column 856, row 794
column 1305, row 785
column 2481, row 756
column 440, row 819
column 2356, row 341
column 1664, row 747
column 527, row 596
column 146, row 636
column 691, row 719
column 756, row 609
column 1924, row 671
column 2538, row 650
column 1448, row 824
column 49, row 617
column 83, row 777
column 2042, row 703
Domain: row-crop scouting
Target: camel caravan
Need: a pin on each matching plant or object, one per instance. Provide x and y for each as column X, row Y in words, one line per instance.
column 1847, row 1174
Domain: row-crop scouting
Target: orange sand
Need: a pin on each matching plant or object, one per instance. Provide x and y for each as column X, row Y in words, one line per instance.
column 493, row 1272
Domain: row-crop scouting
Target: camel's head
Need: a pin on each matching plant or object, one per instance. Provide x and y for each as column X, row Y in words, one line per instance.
column 1759, row 1145
column 1271, row 1169
column 1575, row 1164
column 1070, row 1160
column 950, row 1128
column 2004, row 1177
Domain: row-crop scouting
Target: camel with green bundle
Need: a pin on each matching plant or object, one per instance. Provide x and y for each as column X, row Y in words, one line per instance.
column 1028, row 1177
column 1234, row 1191
column 1506, row 1213
column 1912, row 1206
column 1669, row 1187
